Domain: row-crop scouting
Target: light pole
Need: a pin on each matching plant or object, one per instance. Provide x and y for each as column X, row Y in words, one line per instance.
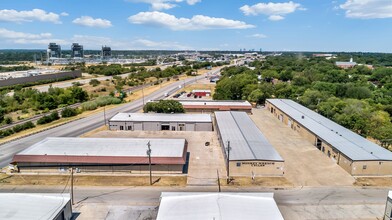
column 228, row 162
column 149, row 160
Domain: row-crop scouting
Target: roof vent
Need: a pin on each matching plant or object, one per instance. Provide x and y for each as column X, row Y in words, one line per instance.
column 371, row 152
column 303, row 117
column 129, row 115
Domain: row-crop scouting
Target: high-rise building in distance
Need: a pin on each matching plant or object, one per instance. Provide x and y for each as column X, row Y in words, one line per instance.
column 106, row 52
column 54, row 50
column 77, row 50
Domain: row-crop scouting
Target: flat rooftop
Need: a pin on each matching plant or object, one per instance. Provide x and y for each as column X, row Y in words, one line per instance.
column 20, row 206
column 104, row 150
column 160, row 117
column 246, row 140
column 352, row 145
column 227, row 206
column 217, row 103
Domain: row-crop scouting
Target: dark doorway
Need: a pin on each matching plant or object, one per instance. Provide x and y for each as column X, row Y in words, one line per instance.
column 318, row 143
column 165, row 127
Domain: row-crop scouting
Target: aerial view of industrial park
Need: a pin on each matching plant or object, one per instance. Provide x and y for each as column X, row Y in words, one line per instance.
column 195, row 110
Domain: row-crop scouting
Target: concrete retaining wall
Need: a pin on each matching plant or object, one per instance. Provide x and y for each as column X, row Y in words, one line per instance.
column 30, row 79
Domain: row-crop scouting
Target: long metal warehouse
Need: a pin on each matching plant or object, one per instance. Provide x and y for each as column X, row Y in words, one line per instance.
column 17, row 206
column 250, row 152
column 53, row 155
column 227, row 206
column 161, row 122
column 355, row 154
column 210, row 106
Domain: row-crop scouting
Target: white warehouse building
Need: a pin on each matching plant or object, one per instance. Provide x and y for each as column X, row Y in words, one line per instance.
column 161, row 122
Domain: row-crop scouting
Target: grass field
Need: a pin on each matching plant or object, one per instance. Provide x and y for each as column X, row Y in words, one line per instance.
column 92, row 180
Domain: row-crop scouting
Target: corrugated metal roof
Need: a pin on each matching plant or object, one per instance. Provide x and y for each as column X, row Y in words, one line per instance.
column 246, row 140
column 21, row 206
column 109, row 147
column 217, row 103
column 347, row 142
column 157, row 117
column 346, row 63
column 225, row 206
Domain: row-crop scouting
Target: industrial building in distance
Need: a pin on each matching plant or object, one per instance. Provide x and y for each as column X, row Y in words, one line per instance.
column 161, row 122
column 210, row 106
column 249, row 153
column 54, row 51
column 106, row 52
column 355, row 154
column 227, row 206
column 77, row 51
column 18, row 206
column 106, row 155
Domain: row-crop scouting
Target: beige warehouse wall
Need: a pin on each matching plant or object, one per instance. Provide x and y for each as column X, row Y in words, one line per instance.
column 258, row 168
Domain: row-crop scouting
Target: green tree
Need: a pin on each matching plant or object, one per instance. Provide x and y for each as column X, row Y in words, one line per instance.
column 164, row 106
column 68, row 112
column 94, row 82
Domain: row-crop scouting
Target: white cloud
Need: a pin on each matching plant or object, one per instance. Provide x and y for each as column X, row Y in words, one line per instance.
column 29, row 16
column 197, row 22
column 275, row 17
column 91, row 22
column 159, row 5
column 64, row 14
column 192, row 2
column 27, row 38
column 258, row 36
column 368, row 9
column 275, row 11
column 126, row 44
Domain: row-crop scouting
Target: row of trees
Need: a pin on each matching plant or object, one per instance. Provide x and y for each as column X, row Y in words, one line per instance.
column 359, row 98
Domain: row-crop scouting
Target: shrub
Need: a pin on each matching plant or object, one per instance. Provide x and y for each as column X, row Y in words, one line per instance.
column 94, row 82
column 48, row 118
column 99, row 102
column 24, row 126
column 68, row 112
column 8, row 120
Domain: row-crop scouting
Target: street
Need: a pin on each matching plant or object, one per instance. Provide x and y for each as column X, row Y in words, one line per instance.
column 79, row 127
column 297, row 203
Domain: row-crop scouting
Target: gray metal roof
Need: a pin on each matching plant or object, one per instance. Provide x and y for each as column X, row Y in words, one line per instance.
column 246, row 140
column 346, row 63
column 217, row 103
column 224, row 206
column 131, row 147
column 21, row 206
column 347, row 142
column 158, row 117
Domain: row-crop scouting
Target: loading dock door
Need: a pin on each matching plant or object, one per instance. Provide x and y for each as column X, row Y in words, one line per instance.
column 165, row 127
column 318, row 143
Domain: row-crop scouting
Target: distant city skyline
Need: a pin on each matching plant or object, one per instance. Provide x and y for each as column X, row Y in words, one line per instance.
column 301, row 25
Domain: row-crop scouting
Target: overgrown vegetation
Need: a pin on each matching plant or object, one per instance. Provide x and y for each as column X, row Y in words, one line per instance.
column 164, row 106
column 15, row 68
column 359, row 98
column 99, row 102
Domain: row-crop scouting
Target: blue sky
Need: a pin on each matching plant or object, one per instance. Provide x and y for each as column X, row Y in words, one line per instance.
column 301, row 25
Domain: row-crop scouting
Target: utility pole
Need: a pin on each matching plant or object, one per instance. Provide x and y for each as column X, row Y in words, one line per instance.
column 228, row 162
column 219, row 186
column 72, row 182
column 149, row 160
